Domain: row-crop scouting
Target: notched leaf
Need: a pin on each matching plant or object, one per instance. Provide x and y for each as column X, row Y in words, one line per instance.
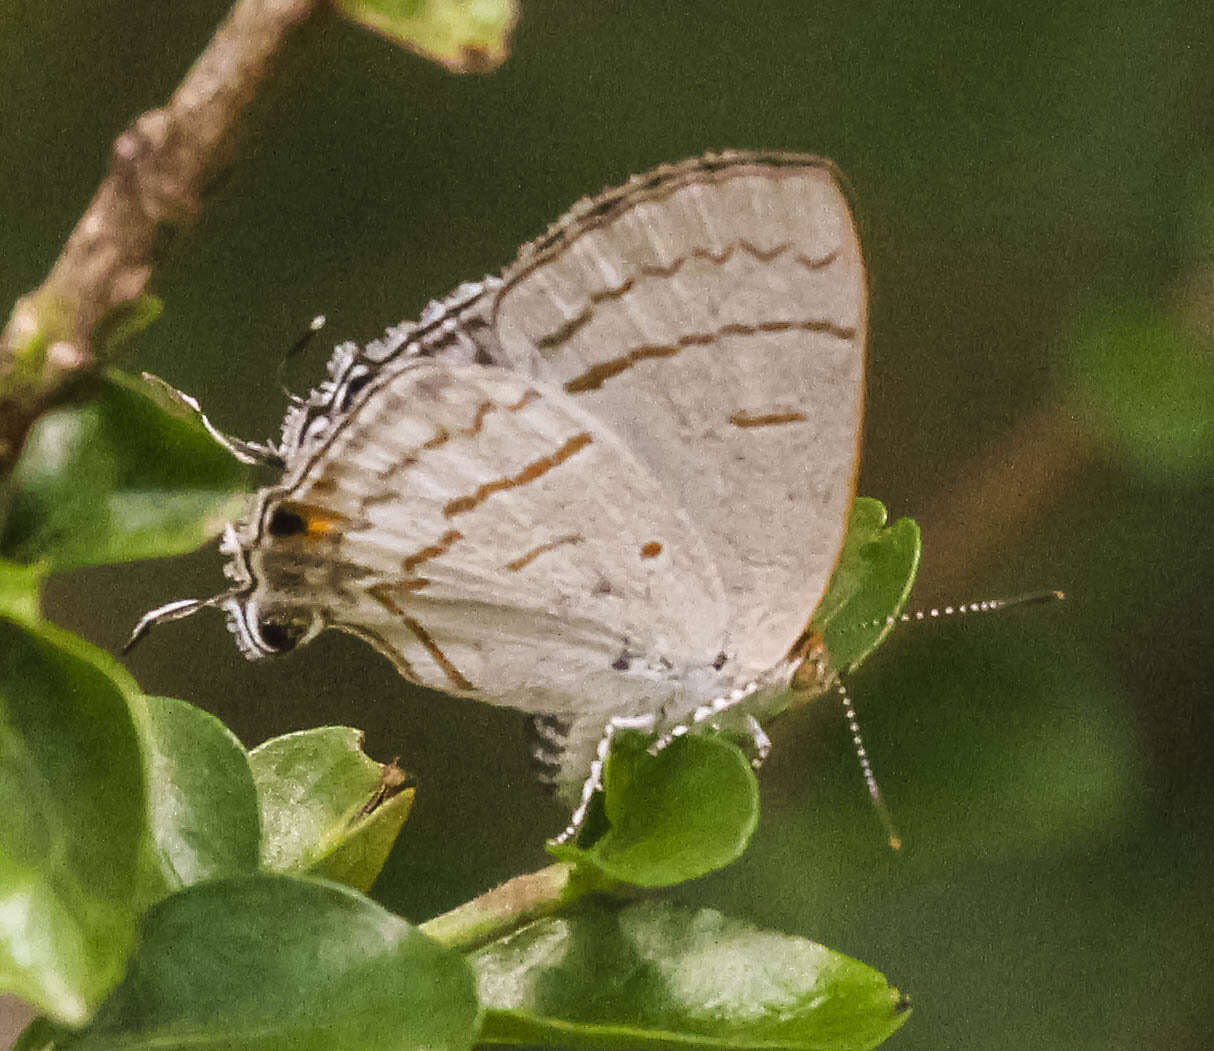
column 326, row 807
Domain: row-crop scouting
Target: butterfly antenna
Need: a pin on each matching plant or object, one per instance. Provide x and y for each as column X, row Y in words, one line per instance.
column 184, row 607
column 297, row 348
column 990, row 605
column 866, row 768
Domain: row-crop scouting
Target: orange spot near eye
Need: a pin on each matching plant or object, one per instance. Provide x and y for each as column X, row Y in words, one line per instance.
column 290, row 519
column 651, row 550
column 320, row 524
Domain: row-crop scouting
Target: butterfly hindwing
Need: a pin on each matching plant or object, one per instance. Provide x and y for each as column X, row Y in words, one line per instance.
column 713, row 315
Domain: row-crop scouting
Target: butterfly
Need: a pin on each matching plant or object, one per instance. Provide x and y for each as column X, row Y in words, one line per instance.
column 607, row 487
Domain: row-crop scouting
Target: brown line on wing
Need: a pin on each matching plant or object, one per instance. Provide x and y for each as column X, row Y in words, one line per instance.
column 595, row 376
column 380, row 643
column 526, row 559
column 442, row 435
column 430, row 551
column 592, row 213
column 380, row 594
column 528, row 474
column 563, row 332
column 440, row 658
column 745, row 419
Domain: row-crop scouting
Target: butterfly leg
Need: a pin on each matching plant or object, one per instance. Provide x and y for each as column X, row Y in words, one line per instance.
column 760, row 743
column 594, row 780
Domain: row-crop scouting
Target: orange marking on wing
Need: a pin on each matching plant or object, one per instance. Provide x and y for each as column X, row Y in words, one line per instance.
column 430, row 551
column 440, row 658
column 651, row 549
column 516, row 564
column 440, row 436
column 744, row 419
column 415, row 584
column 486, row 407
column 528, row 474
column 381, row 595
column 595, row 376
column 306, row 521
column 381, row 644
column 478, row 421
column 527, row 398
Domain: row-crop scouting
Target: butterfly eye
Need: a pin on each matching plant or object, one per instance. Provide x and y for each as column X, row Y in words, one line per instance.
column 280, row 633
column 285, row 522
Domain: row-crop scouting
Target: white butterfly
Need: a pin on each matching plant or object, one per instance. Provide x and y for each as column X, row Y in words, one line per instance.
column 608, row 487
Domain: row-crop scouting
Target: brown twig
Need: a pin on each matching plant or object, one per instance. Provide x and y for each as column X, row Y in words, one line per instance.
column 159, row 168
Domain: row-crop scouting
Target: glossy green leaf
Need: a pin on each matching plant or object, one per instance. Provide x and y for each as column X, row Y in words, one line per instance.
column 465, row 36
column 118, row 478
column 326, row 807
column 40, row 1035
column 202, row 803
column 72, row 795
column 262, row 963
column 686, row 811
column 1148, row 387
column 651, row 975
column 19, row 591
column 871, row 584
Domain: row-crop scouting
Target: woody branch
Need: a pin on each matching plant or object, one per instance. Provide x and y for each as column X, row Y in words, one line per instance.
column 159, row 169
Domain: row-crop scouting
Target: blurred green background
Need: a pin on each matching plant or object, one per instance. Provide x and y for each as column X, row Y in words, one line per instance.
column 1036, row 195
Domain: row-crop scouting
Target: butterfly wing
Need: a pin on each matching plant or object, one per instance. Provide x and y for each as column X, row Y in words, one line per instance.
column 496, row 541
column 713, row 315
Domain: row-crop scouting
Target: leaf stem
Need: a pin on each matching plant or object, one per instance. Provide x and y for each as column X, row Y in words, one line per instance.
column 513, row 904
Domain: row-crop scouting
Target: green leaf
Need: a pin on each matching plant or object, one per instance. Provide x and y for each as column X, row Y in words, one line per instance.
column 126, row 320
column 673, row 816
column 871, row 584
column 202, row 803
column 1148, row 388
column 652, row 975
column 19, row 591
column 40, row 1035
column 272, row 962
column 72, row 795
column 122, row 477
column 465, row 36
column 326, row 807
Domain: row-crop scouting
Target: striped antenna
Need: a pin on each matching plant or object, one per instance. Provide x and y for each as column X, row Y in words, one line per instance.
column 990, row 605
column 916, row 616
column 874, row 790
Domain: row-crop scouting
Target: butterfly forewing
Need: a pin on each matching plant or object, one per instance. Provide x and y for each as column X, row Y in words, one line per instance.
column 713, row 316
column 507, row 545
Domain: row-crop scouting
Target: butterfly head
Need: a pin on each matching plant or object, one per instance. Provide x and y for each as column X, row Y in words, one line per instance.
column 263, row 622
